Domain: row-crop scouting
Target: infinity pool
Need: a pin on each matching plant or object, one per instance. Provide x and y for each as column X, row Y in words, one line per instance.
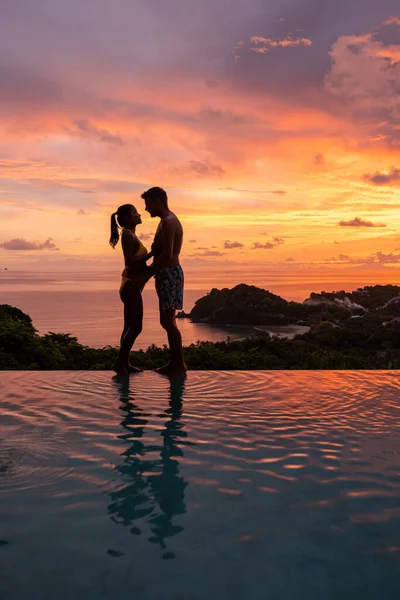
column 245, row 485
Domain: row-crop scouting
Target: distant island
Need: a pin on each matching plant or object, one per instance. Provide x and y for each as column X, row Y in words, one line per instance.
column 251, row 305
column 347, row 330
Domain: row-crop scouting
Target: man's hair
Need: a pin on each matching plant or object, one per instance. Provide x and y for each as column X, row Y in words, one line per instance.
column 156, row 193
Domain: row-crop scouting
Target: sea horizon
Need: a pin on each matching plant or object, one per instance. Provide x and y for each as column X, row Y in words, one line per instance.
column 87, row 305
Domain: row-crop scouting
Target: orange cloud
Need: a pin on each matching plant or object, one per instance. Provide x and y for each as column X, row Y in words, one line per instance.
column 236, row 159
column 263, row 45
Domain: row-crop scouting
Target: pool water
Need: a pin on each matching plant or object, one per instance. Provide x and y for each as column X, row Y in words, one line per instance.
column 229, row 485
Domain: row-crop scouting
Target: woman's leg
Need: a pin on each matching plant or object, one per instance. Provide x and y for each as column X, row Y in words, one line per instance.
column 133, row 320
column 125, row 329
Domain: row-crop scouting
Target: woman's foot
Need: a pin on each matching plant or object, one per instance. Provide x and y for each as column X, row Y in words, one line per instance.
column 131, row 369
column 172, row 370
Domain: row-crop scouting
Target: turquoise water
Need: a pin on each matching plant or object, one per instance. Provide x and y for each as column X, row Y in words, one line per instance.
column 245, row 485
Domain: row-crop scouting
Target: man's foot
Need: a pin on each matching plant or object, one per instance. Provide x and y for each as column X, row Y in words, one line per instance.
column 162, row 370
column 172, row 370
column 119, row 368
column 131, row 369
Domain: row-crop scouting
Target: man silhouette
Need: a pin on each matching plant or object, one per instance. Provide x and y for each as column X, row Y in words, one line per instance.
column 168, row 274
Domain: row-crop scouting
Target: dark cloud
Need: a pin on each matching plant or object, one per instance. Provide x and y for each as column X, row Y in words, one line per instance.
column 22, row 244
column 230, row 245
column 276, row 241
column 290, row 259
column 357, row 222
column 81, row 211
column 389, row 32
column 319, row 159
column 23, row 86
column 383, row 178
column 193, row 241
column 84, row 127
column 206, row 169
column 266, row 246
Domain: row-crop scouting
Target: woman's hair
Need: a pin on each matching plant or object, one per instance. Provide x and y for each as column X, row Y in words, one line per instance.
column 118, row 220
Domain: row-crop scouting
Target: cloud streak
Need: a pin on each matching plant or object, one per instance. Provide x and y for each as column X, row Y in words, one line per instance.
column 263, row 45
column 357, row 222
column 21, row 244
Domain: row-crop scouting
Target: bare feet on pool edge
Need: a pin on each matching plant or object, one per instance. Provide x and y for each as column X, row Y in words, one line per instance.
column 119, row 368
column 172, row 370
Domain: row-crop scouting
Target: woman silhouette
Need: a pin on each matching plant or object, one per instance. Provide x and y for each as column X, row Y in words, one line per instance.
column 135, row 255
column 153, row 493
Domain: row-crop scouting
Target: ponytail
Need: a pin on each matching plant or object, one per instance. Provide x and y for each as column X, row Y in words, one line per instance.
column 114, row 237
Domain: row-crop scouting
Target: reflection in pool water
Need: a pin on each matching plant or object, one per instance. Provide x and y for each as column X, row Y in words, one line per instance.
column 244, row 485
column 153, row 488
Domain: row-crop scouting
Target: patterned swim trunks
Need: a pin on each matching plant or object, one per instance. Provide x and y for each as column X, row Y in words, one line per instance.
column 169, row 287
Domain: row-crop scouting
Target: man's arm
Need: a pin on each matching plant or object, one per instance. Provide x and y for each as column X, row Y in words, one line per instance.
column 162, row 261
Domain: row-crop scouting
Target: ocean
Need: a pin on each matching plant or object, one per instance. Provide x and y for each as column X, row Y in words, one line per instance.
column 89, row 308
column 87, row 304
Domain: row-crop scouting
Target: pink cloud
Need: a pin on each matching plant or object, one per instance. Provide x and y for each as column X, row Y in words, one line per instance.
column 264, row 45
column 365, row 78
column 24, row 245
column 231, row 245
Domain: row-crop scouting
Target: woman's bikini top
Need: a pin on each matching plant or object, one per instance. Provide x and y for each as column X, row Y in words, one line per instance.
column 142, row 249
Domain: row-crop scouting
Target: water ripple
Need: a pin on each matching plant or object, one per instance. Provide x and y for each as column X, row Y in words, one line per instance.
column 316, row 453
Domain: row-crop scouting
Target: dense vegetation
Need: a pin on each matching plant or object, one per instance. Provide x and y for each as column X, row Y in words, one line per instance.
column 340, row 338
column 250, row 305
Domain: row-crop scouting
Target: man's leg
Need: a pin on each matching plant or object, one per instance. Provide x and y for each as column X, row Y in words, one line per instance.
column 176, row 365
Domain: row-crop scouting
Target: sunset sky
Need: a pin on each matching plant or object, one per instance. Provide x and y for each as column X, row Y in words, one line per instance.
column 274, row 126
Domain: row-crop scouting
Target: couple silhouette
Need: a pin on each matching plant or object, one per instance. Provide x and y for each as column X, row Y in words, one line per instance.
column 166, row 270
column 152, row 496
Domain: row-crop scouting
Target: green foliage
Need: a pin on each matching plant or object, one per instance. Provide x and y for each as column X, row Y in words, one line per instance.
column 241, row 305
column 8, row 312
column 250, row 305
column 353, row 343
